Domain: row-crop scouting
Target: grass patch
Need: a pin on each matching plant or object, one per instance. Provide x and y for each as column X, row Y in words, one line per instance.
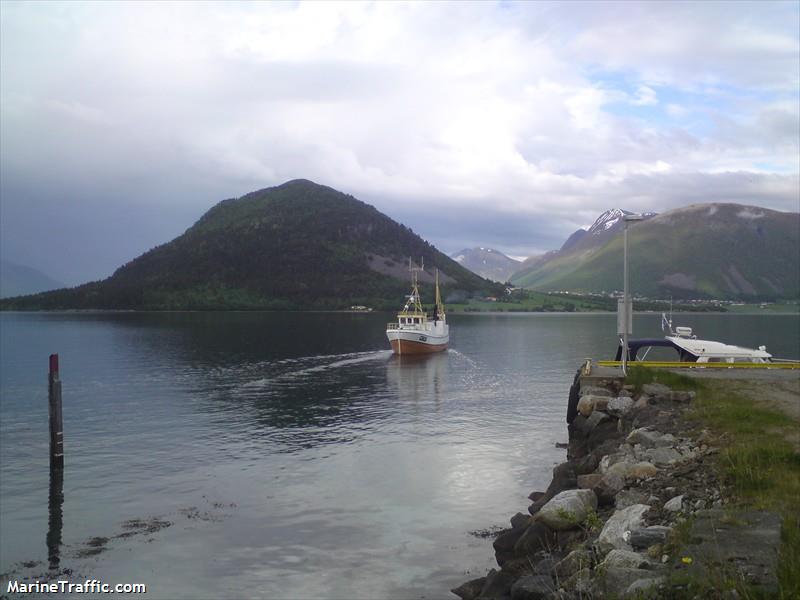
column 760, row 468
column 638, row 376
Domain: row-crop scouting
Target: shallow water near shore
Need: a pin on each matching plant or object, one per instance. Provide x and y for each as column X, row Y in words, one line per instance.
column 291, row 455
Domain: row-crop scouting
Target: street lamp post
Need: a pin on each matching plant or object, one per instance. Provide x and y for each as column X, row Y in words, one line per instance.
column 626, row 303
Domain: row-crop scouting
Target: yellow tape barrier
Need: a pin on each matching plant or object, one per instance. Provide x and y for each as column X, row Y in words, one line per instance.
column 693, row 365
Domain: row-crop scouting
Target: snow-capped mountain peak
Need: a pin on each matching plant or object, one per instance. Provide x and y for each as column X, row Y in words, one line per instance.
column 607, row 220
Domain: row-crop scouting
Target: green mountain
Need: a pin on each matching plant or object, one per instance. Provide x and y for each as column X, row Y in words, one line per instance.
column 295, row 246
column 706, row 250
column 16, row 280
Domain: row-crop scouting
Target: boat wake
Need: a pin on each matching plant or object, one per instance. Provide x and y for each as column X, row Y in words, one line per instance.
column 316, row 364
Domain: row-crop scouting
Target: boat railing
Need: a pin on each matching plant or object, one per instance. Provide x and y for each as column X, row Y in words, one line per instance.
column 392, row 326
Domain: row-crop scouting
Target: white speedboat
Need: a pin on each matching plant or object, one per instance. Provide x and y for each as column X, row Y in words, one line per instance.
column 691, row 349
column 415, row 332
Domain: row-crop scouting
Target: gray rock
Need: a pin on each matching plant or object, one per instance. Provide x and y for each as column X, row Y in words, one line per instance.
column 650, row 439
column 572, row 563
column 608, row 487
column 625, row 559
column 674, row 504
column 619, row 406
column 681, row 396
column 497, row 585
column 644, row 588
column 656, row 389
column 628, row 498
column 536, row 537
column 586, row 405
column 617, row 529
column 568, row 509
column 645, row 537
column 616, row 581
column 506, row 541
column 643, row 436
column 587, row 482
column 470, row 590
column 663, row 456
column 520, row 520
column 532, row 587
column 629, row 470
column 597, row 417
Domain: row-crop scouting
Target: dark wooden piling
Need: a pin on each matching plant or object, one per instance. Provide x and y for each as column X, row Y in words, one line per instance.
column 56, row 421
column 55, row 520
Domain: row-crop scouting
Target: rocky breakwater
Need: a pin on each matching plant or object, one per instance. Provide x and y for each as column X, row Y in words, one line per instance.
column 604, row 526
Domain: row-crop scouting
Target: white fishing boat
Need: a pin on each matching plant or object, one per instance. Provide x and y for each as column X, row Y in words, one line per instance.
column 415, row 332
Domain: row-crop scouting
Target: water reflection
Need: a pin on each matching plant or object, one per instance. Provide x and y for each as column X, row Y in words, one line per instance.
column 55, row 522
column 418, row 378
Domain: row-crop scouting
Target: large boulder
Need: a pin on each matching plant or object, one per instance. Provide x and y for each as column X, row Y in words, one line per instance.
column 470, row 590
column 616, row 581
column 497, row 585
column 586, row 405
column 617, row 530
column 619, row 406
column 650, row 439
column 572, row 563
column 663, row 456
column 536, row 537
column 631, row 470
column 565, row 477
column 624, row 559
column 568, row 509
column 607, row 488
column 533, row 587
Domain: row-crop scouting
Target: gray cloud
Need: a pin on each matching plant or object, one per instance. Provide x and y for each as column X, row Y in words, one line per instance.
column 510, row 127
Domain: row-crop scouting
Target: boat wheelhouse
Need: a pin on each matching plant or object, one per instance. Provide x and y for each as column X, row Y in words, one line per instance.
column 415, row 332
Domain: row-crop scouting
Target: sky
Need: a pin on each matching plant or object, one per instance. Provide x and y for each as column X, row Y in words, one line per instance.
column 498, row 124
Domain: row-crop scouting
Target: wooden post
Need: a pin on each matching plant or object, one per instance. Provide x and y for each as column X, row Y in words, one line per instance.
column 56, row 422
column 55, row 521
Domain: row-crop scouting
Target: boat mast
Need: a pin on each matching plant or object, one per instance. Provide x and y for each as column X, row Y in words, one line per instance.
column 439, row 304
column 413, row 304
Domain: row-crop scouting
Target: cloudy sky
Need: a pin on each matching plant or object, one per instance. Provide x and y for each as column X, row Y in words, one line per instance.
column 503, row 124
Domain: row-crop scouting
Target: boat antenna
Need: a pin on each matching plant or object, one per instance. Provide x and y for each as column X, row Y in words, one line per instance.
column 665, row 322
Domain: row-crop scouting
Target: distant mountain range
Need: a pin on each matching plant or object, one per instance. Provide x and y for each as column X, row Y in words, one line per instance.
column 487, row 262
column 16, row 280
column 704, row 250
column 299, row 245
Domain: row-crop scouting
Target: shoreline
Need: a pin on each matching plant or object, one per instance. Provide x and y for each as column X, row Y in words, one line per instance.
column 639, row 509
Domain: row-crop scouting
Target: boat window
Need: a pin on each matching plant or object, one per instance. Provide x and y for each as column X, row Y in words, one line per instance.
column 416, row 320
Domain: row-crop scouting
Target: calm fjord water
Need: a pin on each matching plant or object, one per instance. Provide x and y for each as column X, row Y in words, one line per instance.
column 292, row 455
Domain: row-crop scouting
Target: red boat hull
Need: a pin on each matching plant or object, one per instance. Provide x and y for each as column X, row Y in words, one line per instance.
column 410, row 347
